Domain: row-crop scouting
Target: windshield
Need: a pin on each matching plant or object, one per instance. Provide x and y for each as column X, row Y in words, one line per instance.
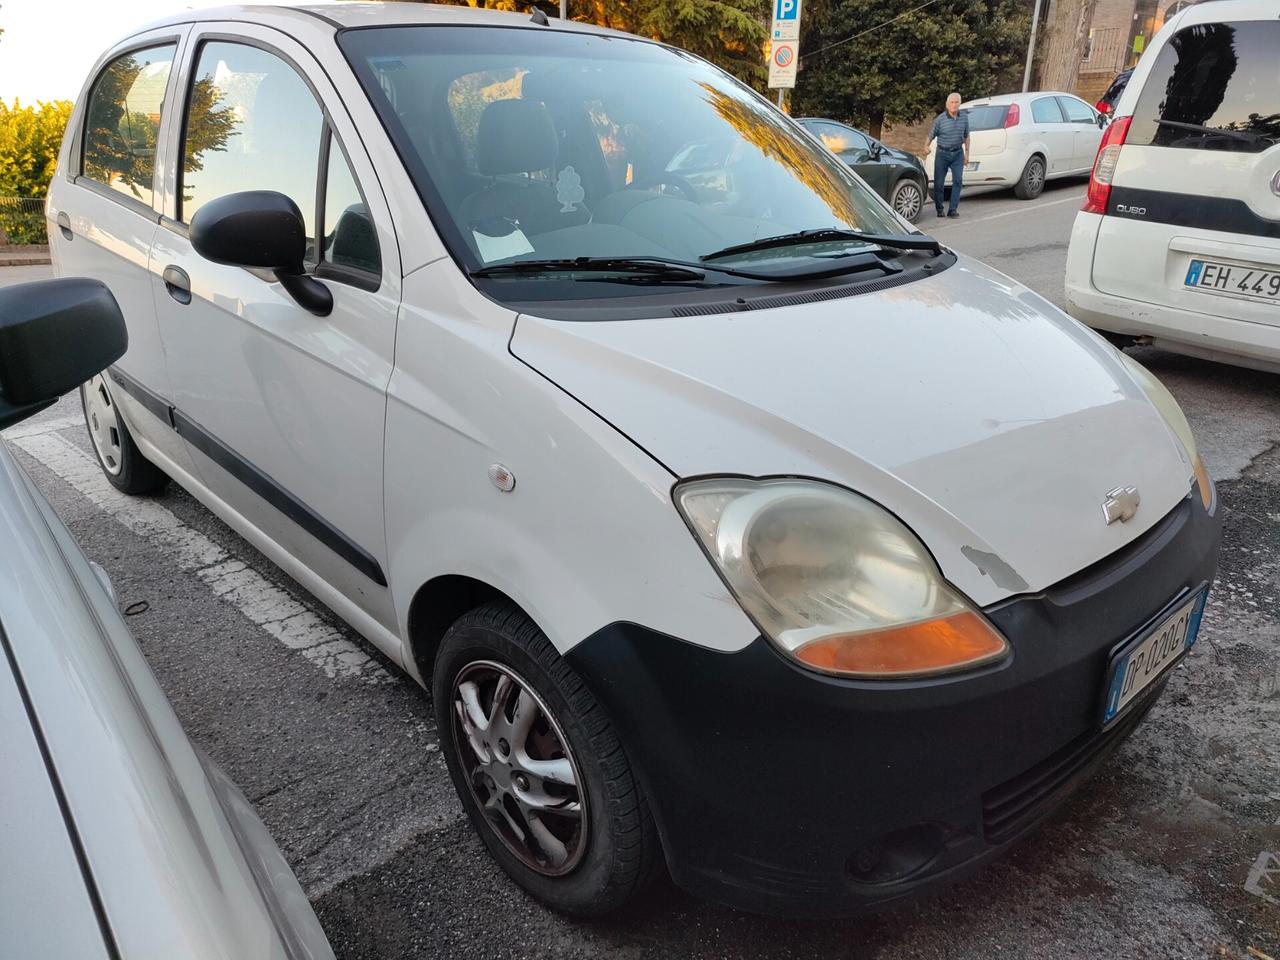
column 549, row 145
column 988, row 117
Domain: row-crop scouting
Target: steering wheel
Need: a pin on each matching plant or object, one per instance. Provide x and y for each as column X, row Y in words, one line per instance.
column 672, row 179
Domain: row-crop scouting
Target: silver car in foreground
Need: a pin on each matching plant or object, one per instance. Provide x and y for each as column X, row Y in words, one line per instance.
column 118, row 838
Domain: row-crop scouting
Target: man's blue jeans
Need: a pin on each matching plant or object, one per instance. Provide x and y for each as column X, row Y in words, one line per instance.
column 943, row 160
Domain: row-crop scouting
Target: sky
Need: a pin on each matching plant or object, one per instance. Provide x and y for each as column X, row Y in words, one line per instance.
column 49, row 46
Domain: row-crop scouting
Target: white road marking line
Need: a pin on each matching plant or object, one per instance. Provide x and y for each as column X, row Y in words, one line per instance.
column 1265, row 872
column 30, row 429
column 261, row 602
column 1076, row 198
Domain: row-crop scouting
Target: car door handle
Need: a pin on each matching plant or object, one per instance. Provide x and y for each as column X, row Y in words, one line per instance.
column 64, row 224
column 177, row 283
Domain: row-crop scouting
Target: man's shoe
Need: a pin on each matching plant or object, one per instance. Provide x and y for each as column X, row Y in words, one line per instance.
column 952, row 213
column 940, row 213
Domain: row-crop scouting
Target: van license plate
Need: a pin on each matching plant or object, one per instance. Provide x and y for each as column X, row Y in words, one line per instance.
column 1234, row 280
column 1142, row 662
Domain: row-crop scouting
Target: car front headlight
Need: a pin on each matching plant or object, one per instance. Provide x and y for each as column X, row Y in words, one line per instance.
column 834, row 580
column 1168, row 408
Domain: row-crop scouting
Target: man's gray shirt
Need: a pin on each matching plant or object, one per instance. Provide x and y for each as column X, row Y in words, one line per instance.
column 950, row 131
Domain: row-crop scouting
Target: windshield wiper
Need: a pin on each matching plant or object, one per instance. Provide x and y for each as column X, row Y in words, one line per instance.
column 1246, row 136
column 640, row 268
column 899, row 241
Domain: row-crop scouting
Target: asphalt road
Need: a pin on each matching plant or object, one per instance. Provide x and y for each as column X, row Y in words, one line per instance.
column 1167, row 853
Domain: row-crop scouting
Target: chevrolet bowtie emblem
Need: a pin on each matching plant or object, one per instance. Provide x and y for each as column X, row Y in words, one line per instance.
column 1120, row 504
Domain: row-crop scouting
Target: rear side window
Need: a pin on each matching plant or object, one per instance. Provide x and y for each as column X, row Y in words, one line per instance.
column 1045, row 110
column 1214, row 86
column 252, row 124
column 990, row 117
column 123, row 119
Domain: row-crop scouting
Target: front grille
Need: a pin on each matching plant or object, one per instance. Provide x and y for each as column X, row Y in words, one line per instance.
column 1017, row 803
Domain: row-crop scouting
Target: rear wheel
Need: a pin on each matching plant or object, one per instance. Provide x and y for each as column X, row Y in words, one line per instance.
column 121, row 460
column 907, row 199
column 1031, row 184
column 538, row 767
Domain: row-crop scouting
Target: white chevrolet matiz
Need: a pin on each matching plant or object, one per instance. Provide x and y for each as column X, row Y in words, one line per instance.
column 733, row 525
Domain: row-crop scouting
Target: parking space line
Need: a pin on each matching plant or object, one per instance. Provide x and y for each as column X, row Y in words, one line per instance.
column 30, row 429
column 1029, row 208
column 267, row 606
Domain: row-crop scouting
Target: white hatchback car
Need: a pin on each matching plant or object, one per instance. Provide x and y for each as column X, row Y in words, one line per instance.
column 1023, row 140
column 1179, row 239
column 740, row 527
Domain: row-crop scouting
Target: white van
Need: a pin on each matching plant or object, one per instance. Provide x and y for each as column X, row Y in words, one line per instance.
column 736, row 525
column 1178, row 242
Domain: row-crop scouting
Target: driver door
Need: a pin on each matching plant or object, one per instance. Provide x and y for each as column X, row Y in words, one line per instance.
column 283, row 410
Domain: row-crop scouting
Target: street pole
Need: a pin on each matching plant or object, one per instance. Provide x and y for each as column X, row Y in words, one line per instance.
column 781, row 92
column 564, row 9
column 1031, row 47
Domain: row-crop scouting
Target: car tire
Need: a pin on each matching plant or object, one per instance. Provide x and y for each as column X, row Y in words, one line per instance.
column 1031, row 184
column 585, row 868
column 121, row 461
column 907, row 199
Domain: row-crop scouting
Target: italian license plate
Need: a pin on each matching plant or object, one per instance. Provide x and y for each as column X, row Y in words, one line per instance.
column 1142, row 661
column 1234, row 280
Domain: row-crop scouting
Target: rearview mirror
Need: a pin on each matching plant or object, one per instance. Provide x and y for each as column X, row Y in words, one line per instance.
column 261, row 229
column 54, row 335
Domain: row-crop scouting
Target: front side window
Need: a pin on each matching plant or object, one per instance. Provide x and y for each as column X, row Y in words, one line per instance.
column 1077, row 111
column 538, row 145
column 251, row 124
column 1045, row 110
column 840, row 139
column 1214, row 86
column 123, row 119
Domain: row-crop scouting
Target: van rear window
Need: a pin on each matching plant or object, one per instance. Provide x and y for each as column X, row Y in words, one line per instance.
column 989, row 117
column 1214, row 86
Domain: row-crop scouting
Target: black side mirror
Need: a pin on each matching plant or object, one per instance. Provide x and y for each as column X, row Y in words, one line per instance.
column 877, row 151
column 54, row 335
column 261, row 229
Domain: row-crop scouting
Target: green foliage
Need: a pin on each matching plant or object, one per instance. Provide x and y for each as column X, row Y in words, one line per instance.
column 29, row 142
column 729, row 33
column 902, row 72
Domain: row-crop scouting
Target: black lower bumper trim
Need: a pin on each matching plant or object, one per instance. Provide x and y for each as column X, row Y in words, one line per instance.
column 784, row 791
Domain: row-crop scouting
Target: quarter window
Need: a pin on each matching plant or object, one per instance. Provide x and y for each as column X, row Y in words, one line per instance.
column 123, row 120
column 1045, row 110
column 349, row 236
column 1214, row 86
column 252, row 124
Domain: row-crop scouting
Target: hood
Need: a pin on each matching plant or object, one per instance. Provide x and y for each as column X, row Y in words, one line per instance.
column 988, row 420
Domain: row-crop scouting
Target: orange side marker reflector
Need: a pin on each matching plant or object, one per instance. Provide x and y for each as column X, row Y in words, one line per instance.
column 933, row 646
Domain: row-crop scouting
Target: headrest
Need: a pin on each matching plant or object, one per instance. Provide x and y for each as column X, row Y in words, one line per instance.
column 516, row 136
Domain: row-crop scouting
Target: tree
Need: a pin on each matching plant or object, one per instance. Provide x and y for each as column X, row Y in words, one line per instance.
column 729, row 33
column 29, row 142
column 901, row 70
column 1065, row 36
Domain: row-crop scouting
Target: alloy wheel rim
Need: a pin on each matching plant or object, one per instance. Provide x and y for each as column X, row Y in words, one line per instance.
column 104, row 424
column 1035, row 176
column 519, row 768
column 908, row 201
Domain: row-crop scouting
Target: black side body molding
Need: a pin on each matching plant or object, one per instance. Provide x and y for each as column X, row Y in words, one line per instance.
column 253, row 478
column 1187, row 210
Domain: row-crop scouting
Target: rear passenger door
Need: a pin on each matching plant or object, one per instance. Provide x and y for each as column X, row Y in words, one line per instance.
column 283, row 410
column 1087, row 134
column 1053, row 131
column 106, row 201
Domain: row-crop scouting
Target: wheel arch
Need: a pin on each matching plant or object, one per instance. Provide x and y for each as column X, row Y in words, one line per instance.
column 436, row 606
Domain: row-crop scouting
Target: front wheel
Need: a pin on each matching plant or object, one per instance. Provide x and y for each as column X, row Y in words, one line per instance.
column 1031, row 184
column 907, row 199
column 538, row 767
column 123, row 463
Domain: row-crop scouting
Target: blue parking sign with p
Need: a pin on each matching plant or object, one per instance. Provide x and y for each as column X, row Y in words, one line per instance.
column 786, row 9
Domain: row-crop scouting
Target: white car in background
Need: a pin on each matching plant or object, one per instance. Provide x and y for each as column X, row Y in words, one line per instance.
column 1179, row 238
column 1023, row 140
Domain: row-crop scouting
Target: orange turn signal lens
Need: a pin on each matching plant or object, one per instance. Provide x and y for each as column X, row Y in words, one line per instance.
column 1203, row 484
column 954, row 642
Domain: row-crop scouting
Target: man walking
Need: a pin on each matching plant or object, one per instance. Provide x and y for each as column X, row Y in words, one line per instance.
column 951, row 130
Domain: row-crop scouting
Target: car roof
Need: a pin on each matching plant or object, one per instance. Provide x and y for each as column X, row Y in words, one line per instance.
column 1005, row 98
column 372, row 14
column 1221, row 11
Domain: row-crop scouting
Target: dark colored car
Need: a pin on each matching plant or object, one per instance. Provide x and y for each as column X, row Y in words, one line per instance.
column 896, row 175
column 1108, row 101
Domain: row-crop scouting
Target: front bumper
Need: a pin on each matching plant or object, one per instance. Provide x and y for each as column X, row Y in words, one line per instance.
column 780, row 790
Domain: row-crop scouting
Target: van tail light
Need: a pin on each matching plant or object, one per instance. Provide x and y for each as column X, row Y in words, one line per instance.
column 1104, row 166
column 1102, row 106
column 1013, row 116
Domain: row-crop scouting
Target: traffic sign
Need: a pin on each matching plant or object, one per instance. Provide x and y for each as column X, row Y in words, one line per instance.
column 782, row 65
column 786, row 20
